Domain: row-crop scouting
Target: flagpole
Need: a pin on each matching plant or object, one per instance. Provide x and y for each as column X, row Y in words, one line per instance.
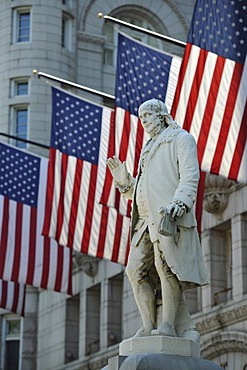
column 143, row 30
column 25, row 140
column 73, row 84
column 123, row 23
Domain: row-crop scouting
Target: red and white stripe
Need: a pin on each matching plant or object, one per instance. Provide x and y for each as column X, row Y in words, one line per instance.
column 210, row 103
column 73, row 214
column 26, row 256
column 12, row 296
column 129, row 137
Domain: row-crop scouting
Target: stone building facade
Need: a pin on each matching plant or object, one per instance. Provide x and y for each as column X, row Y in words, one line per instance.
column 65, row 38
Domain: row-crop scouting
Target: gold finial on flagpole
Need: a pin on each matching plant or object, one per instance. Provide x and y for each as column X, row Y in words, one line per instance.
column 35, row 72
column 100, row 15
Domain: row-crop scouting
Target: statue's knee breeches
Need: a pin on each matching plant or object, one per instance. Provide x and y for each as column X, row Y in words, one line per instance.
column 141, row 260
column 133, row 270
column 161, row 265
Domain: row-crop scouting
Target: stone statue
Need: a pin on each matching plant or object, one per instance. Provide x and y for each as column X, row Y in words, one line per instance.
column 165, row 247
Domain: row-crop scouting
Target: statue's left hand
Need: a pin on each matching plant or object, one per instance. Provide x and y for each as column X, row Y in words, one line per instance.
column 176, row 209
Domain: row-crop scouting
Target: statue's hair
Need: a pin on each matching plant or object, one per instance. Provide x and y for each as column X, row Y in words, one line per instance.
column 157, row 106
column 170, row 121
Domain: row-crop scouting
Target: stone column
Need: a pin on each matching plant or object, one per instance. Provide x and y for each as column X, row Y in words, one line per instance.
column 239, row 256
column 29, row 338
column 104, row 314
column 206, row 290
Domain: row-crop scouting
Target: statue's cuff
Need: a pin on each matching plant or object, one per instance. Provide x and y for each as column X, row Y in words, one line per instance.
column 125, row 188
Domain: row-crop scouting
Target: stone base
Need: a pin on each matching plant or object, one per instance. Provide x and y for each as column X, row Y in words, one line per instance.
column 159, row 344
column 159, row 362
column 158, row 352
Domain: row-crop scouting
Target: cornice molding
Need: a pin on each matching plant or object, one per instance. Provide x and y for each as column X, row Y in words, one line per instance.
column 221, row 318
column 99, row 360
column 92, row 39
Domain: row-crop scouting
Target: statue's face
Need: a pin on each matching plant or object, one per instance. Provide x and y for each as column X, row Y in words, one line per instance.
column 150, row 121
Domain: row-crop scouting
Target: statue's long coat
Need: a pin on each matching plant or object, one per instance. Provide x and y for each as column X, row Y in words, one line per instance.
column 172, row 173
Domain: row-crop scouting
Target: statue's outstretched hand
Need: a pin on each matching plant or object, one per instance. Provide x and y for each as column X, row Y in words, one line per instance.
column 119, row 171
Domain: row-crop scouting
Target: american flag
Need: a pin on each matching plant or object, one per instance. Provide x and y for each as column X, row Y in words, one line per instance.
column 78, row 154
column 25, row 255
column 142, row 73
column 210, row 100
column 12, row 296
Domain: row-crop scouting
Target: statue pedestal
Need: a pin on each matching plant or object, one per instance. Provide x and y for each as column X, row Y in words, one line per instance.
column 159, row 344
column 159, row 353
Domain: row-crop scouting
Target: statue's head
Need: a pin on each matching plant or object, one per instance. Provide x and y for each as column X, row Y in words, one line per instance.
column 152, row 114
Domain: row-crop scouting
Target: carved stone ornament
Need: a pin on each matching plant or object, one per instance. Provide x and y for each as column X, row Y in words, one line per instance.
column 222, row 319
column 217, row 190
column 86, row 263
column 221, row 343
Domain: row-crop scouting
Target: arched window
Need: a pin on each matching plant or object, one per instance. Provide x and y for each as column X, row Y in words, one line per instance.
column 110, row 32
column 141, row 17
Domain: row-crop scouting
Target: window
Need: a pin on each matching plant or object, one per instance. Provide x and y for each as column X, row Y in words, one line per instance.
column 19, row 124
column 111, row 37
column 72, row 329
column 19, row 114
column 21, row 25
column 115, row 301
column 19, row 87
column 193, row 299
column 11, row 345
column 93, row 320
column 221, row 263
column 66, row 40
